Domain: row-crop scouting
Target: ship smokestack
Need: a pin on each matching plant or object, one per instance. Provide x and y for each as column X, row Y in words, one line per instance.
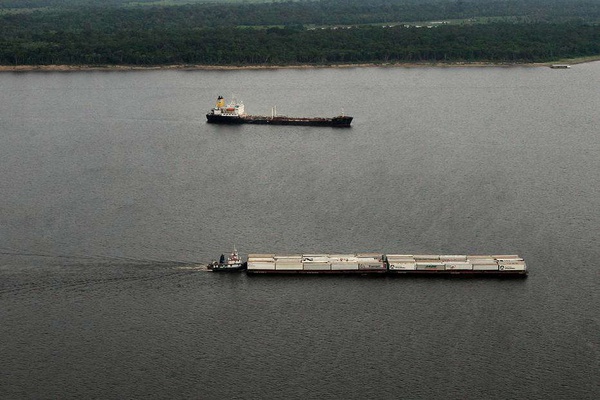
column 220, row 102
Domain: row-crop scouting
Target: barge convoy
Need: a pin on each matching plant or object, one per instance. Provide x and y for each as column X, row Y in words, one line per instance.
column 391, row 264
column 234, row 114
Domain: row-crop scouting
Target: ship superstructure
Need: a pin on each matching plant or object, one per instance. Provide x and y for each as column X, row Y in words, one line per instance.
column 222, row 113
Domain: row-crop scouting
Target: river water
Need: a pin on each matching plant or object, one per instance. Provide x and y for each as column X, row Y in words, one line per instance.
column 113, row 188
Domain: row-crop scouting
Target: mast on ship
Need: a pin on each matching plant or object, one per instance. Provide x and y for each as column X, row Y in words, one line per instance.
column 234, row 256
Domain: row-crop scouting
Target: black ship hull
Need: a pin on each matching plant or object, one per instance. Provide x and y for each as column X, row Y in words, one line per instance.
column 337, row 122
column 227, row 268
column 221, row 119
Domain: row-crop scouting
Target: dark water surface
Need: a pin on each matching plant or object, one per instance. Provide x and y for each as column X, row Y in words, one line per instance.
column 113, row 187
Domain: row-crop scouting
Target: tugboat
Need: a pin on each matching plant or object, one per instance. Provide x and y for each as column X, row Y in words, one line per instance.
column 233, row 263
column 234, row 113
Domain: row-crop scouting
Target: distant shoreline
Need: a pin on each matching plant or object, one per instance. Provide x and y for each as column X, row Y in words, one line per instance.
column 188, row 67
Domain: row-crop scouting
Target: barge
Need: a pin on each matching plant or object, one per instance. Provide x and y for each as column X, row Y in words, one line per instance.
column 234, row 114
column 390, row 264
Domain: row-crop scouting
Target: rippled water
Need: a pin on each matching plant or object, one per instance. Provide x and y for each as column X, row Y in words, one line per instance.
column 113, row 187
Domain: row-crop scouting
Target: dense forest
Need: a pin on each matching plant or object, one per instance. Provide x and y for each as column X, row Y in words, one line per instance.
column 245, row 32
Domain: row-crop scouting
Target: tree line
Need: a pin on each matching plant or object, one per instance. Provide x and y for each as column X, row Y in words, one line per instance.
column 498, row 42
column 322, row 13
column 309, row 32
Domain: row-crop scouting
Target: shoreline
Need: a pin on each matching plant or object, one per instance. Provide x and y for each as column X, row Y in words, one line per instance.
column 200, row 67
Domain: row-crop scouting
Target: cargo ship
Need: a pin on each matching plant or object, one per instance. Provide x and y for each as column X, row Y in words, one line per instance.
column 389, row 264
column 234, row 113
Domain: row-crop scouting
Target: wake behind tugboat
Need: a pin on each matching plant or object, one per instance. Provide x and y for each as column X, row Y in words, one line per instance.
column 234, row 113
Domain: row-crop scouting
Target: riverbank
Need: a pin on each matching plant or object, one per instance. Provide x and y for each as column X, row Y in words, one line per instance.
column 67, row 68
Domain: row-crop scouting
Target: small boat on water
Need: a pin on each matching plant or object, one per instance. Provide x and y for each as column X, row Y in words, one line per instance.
column 232, row 263
column 234, row 113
